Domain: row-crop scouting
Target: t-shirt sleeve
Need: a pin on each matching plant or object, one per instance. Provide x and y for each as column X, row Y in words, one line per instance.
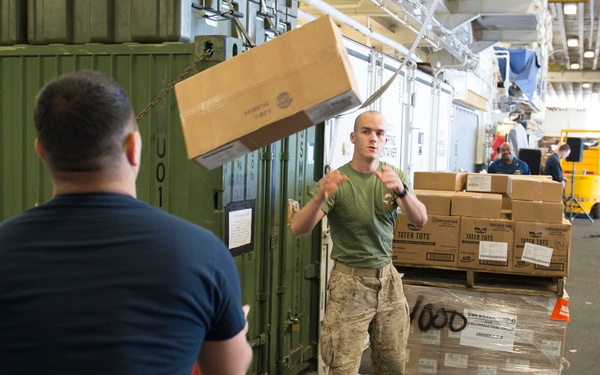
column 228, row 319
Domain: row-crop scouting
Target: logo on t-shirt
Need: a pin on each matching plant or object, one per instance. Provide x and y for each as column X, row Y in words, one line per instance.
column 388, row 200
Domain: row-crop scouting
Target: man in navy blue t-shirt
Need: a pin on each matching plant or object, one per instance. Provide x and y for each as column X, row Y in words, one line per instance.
column 95, row 281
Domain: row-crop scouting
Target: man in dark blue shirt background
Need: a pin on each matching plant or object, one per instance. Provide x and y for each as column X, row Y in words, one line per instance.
column 508, row 164
column 552, row 166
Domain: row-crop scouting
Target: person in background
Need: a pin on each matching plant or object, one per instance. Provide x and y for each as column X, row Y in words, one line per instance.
column 553, row 167
column 366, row 294
column 508, row 164
column 95, row 281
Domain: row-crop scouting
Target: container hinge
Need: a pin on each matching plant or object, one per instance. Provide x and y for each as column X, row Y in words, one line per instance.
column 267, row 155
column 285, row 156
column 259, row 341
column 294, row 358
column 274, row 241
column 312, row 271
column 310, row 352
column 262, row 297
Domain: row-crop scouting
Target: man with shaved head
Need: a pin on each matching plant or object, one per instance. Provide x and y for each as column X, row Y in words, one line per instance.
column 360, row 200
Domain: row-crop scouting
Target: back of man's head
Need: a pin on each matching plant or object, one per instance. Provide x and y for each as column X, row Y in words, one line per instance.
column 82, row 119
column 564, row 147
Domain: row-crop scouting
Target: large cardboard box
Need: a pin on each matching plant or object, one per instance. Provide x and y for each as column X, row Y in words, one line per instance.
column 547, row 212
column 534, row 189
column 440, row 180
column 486, row 244
column 548, row 247
column 434, row 244
column 290, row 83
column 476, row 205
column 437, row 202
column 496, row 182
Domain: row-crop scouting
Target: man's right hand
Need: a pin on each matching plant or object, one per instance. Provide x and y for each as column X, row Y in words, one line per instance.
column 329, row 184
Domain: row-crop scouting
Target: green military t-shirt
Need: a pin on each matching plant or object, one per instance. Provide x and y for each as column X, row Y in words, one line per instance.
column 362, row 215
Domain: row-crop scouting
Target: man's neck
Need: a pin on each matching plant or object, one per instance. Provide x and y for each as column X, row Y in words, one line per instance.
column 364, row 166
column 87, row 183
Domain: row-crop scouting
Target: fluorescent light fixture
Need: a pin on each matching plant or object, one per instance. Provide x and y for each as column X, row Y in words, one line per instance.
column 586, row 85
column 570, row 9
column 574, row 66
column 573, row 42
column 588, row 54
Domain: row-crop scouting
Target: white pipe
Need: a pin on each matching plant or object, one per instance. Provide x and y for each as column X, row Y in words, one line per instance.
column 341, row 17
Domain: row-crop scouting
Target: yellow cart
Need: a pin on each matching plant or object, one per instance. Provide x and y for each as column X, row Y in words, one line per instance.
column 584, row 177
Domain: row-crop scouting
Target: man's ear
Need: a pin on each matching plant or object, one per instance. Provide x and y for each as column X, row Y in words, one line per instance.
column 133, row 148
column 352, row 137
column 38, row 150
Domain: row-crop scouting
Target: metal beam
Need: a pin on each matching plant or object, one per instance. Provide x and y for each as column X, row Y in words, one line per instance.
column 573, row 76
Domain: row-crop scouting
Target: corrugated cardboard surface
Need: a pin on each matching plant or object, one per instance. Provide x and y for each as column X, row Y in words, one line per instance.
column 486, row 244
column 547, row 212
column 437, row 202
column 554, row 236
column 434, row 244
column 440, row 180
column 292, row 82
column 477, row 205
column 532, row 189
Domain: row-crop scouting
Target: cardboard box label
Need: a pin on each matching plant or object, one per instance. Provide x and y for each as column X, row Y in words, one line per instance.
column 480, row 182
column 537, row 254
column 222, row 155
column 495, row 251
column 489, row 330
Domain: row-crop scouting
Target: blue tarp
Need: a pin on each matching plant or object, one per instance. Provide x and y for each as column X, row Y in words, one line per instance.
column 523, row 69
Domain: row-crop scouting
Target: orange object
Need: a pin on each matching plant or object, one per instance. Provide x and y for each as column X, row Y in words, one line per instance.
column 195, row 370
column 498, row 141
column 561, row 310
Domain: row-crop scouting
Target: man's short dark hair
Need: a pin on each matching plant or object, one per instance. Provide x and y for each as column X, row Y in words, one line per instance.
column 564, row 147
column 81, row 120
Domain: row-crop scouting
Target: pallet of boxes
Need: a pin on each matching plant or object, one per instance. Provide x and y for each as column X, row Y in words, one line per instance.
column 484, row 277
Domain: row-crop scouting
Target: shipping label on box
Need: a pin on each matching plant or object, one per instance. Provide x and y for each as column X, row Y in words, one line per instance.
column 534, row 189
column 546, row 246
column 437, row 202
column 547, row 212
column 487, row 183
column 440, row 180
column 435, row 243
column 477, row 205
column 265, row 94
column 486, row 244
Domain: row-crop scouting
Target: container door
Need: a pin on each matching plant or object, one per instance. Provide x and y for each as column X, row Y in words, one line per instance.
column 391, row 105
column 441, row 128
column 463, row 140
column 419, row 131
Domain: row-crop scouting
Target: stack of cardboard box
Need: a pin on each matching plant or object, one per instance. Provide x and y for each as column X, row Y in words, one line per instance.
column 487, row 222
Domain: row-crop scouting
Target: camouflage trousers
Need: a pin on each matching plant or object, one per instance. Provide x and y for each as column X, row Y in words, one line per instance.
column 357, row 305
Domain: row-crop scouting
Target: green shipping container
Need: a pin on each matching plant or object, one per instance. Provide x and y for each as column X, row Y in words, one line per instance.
column 279, row 272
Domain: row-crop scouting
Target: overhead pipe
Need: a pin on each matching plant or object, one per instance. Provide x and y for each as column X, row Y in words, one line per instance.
column 341, row 17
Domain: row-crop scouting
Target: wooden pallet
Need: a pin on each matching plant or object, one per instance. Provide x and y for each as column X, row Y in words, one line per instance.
column 483, row 281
